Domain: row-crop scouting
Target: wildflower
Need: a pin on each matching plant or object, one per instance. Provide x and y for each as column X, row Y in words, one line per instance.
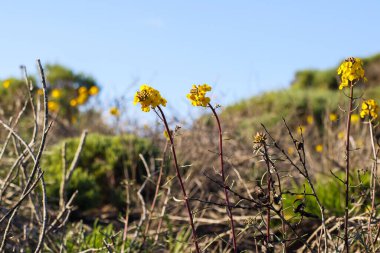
column 56, row 93
column 114, row 111
column 148, row 97
column 82, row 90
column 94, row 90
column 319, row 148
column 351, row 70
column 166, row 135
column 73, row 102
column 355, row 118
column 259, row 138
column 290, row 151
column 341, row 135
column 197, row 95
column 301, row 129
column 53, row 106
column 40, row 92
column 333, row 117
column 6, row 84
column 370, row 108
column 82, row 98
column 310, row 119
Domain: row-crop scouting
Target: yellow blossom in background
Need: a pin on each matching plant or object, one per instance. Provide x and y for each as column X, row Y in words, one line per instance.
column 73, row 102
column 370, row 108
column 94, row 90
column 310, row 119
column 319, row 148
column 290, row 151
column 114, row 111
column 341, row 135
column 82, row 90
column 301, row 129
column 197, row 95
column 6, row 84
column 53, row 106
column 82, row 98
column 40, row 92
column 149, row 98
column 56, row 93
column 355, row 118
column 166, row 135
column 350, row 71
column 360, row 143
column 74, row 119
column 333, row 117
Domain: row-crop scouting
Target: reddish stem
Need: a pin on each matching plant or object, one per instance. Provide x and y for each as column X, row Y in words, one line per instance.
column 180, row 179
column 228, row 206
column 347, row 181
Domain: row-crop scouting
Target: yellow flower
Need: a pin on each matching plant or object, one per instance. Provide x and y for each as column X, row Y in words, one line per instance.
column 82, row 98
column 167, row 136
column 74, row 119
column 355, row 118
column 6, row 84
column 40, row 92
column 370, row 108
column 301, row 129
column 82, row 90
column 319, row 148
column 259, row 138
column 333, row 117
column 56, row 93
column 149, row 98
column 310, row 119
column 290, row 151
column 53, row 106
column 350, row 71
column 114, row 111
column 73, row 102
column 94, row 90
column 197, row 95
column 341, row 135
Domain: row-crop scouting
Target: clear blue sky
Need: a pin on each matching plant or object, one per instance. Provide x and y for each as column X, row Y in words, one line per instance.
column 241, row 48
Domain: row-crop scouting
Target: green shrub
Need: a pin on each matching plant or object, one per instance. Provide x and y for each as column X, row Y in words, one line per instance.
column 100, row 170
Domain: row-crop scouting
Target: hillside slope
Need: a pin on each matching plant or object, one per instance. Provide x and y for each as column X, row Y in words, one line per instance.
column 312, row 93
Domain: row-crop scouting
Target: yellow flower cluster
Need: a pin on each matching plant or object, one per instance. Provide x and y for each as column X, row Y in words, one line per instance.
column 166, row 135
column 310, row 119
column 351, row 70
column 148, row 97
column 319, row 148
column 259, row 138
column 197, row 95
column 370, row 108
column 355, row 118
column 83, row 95
column 56, row 93
column 114, row 111
column 6, row 84
column 53, row 106
column 333, row 117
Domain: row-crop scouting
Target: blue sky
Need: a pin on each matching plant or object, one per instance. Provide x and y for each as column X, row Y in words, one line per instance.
column 241, row 48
